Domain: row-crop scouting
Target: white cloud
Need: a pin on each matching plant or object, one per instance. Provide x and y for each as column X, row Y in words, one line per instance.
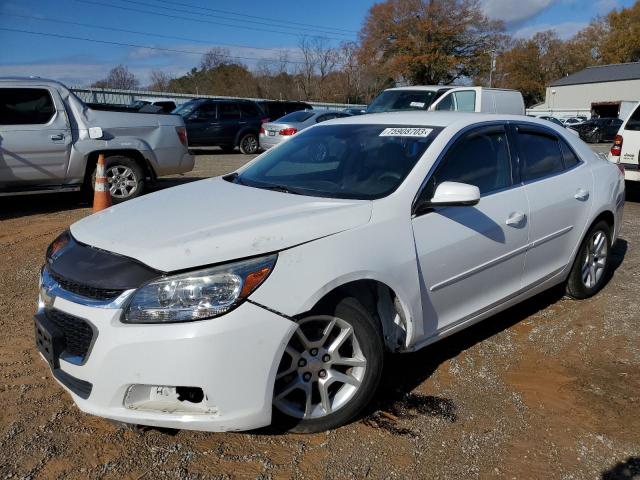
column 514, row 10
column 564, row 30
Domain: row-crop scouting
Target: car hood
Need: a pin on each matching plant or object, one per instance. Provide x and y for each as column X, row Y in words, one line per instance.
column 213, row 221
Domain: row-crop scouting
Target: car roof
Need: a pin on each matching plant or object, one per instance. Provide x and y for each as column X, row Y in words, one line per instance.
column 430, row 88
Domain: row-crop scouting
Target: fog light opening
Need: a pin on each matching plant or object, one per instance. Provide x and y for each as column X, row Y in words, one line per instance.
column 190, row 394
column 168, row 399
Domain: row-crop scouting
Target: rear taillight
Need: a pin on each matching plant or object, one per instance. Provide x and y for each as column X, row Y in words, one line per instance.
column 616, row 148
column 288, row 131
column 182, row 135
column 265, row 120
column 262, row 131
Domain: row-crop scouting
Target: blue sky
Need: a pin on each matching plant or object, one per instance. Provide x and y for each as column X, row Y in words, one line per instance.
column 191, row 27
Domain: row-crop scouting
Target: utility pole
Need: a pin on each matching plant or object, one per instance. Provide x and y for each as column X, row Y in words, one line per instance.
column 492, row 68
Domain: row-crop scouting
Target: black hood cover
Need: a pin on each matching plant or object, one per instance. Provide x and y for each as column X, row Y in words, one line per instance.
column 85, row 265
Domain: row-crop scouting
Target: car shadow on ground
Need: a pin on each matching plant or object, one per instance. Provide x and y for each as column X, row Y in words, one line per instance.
column 627, row 470
column 404, row 372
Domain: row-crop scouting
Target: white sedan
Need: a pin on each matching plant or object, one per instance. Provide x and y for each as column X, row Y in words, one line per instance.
column 274, row 292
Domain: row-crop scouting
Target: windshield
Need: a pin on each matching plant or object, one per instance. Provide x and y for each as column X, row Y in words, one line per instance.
column 186, row 108
column 394, row 100
column 341, row 161
column 299, row 116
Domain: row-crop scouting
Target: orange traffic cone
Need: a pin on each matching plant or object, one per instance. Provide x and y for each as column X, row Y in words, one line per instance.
column 101, row 193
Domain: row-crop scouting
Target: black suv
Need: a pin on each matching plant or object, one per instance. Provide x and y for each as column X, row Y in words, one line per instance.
column 223, row 123
column 274, row 109
column 598, row 130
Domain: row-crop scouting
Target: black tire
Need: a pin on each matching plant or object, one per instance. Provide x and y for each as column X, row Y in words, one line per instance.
column 577, row 286
column 227, row 148
column 134, row 173
column 249, row 144
column 367, row 331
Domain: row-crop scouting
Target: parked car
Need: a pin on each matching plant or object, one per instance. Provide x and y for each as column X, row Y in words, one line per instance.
column 551, row 119
column 598, row 130
column 274, row 109
column 458, row 99
column 285, row 290
column 573, row 121
column 50, row 141
column 418, row 97
column 223, row 123
column 154, row 106
column 625, row 150
column 271, row 134
column 355, row 111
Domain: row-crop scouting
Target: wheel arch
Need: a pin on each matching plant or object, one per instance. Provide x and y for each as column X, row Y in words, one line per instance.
column 382, row 301
column 136, row 155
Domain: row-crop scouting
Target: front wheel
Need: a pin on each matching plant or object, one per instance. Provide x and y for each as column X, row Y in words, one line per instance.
column 330, row 369
column 591, row 268
column 249, row 144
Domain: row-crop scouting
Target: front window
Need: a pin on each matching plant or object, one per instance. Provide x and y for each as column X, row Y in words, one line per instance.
column 341, row 161
column 397, row 100
column 25, row 106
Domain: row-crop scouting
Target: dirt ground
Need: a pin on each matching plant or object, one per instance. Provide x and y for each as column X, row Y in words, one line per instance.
column 548, row 389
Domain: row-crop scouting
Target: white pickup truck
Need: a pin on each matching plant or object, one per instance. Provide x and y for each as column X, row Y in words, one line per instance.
column 50, row 141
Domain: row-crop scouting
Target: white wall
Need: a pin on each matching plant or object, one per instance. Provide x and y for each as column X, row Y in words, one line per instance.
column 580, row 97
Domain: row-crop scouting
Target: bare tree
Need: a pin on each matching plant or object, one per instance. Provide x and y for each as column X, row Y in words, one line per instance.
column 119, row 77
column 215, row 57
column 160, row 81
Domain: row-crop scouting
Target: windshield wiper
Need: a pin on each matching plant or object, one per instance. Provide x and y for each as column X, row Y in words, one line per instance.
column 280, row 188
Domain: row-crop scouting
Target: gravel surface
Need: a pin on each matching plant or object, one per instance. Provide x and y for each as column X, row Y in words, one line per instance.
column 547, row 389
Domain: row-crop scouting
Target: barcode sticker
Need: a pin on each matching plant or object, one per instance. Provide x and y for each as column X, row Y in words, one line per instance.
column 417, row 104
column 406, row 132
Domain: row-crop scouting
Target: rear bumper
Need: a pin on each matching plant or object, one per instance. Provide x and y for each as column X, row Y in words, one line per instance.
column 170, row 161
column 267, row 142
column 232, row 358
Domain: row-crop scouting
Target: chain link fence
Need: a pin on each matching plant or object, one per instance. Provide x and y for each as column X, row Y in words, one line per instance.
column 127, row 97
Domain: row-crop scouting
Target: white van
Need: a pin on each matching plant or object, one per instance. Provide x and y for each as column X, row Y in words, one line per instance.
column 459, row 99
column 626, row 146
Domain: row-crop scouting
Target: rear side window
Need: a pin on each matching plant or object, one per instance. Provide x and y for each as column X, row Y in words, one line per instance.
column 25, row 106
column 228, row 111
column 540, row 155
column 249, row 109
column 481, row 158
column 207, row 111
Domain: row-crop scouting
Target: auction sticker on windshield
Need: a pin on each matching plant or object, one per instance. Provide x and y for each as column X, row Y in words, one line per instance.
column 406, row 132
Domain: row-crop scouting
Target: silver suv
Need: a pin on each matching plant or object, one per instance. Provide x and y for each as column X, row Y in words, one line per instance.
column 50, row 140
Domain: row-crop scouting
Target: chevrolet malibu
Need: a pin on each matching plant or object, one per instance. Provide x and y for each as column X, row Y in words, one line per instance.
column 272, row 294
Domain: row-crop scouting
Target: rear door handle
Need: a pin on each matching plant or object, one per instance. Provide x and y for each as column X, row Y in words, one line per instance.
column 581, row 194
column 516, row 219
column 59, row 136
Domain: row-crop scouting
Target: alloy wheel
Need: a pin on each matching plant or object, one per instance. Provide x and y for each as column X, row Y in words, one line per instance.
column 122, row 181
column 322, row 368
column 595, row 260
column 250, row 144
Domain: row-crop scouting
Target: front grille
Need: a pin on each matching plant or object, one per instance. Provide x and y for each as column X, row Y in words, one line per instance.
column 77, row 332
column 85, row 290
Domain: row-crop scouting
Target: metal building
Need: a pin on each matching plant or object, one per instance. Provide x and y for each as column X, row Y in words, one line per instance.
column 605, row 91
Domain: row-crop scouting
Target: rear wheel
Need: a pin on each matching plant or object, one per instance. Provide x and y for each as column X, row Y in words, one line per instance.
column 330, row 369
column 591, row 268
column 124, row 176
column 249, row 144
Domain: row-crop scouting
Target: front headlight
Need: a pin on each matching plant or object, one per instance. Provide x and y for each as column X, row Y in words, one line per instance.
column 198, row 295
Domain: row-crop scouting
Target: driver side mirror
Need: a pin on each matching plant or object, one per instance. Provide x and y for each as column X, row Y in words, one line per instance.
column 451, row 194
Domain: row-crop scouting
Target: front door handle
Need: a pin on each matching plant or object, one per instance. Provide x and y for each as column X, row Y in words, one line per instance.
column 58, row 136
column 581, row 194
column 516, row 219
